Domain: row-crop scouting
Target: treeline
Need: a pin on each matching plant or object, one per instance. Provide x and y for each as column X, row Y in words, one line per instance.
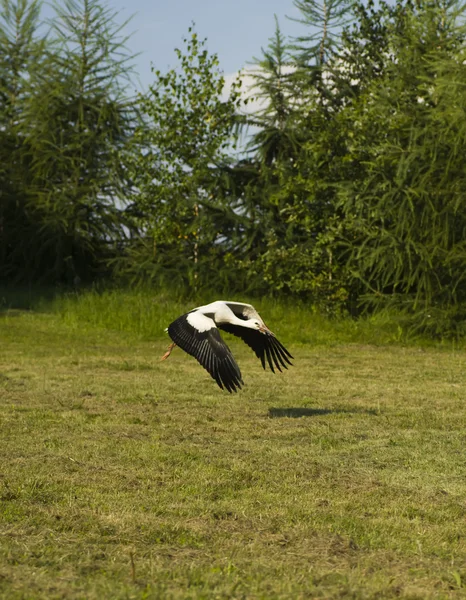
column 343, row 183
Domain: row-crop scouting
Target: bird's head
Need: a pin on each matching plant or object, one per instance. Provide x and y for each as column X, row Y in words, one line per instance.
column 258, row 325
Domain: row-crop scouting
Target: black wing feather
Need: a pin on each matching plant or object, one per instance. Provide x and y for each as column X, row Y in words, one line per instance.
column 268, row 353
column 265, row 345
column 275, row 356
column 209, row 350
column 282, row 352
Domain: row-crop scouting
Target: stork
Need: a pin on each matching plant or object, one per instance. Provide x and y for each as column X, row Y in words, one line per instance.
column 196, row 332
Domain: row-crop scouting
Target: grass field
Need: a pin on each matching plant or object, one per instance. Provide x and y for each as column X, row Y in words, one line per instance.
column 124, row 477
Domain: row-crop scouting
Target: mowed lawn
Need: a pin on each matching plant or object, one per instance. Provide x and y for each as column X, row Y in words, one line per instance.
column 125, row 477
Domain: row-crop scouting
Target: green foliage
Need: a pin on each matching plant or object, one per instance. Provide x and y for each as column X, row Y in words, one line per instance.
column 73, row 119
column 179, row 211
column 293, row 193
column 81, row 120
column 323, row 21
column 405, row 222
column 276, row 138
column 347, row 196
column 21, row 53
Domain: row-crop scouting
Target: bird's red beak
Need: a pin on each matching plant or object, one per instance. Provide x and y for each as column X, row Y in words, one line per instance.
column 264, row 329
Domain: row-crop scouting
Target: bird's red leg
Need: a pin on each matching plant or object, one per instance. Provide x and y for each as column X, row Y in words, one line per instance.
column 168, row 352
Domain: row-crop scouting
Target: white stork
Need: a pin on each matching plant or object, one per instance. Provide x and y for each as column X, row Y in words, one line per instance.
column 197, row 333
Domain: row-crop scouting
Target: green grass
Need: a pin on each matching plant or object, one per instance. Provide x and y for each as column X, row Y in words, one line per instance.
column 123, row 477
column 145, row 314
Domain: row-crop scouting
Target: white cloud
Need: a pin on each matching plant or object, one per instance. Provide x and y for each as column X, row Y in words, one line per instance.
column 247, row 89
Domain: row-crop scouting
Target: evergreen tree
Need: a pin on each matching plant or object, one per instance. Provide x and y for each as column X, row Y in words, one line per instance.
column 276, row 136
column 76, row 119
column 405, row 218
column 293, row 195
column 21, row 52
column 323, row 21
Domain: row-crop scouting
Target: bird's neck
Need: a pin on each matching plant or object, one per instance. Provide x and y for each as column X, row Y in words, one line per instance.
column 243, row 323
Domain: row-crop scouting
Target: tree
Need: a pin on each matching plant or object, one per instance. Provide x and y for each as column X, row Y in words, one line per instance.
column 292, row 197
column 181, row 211
column 324, row 21
column 276, row 135
column 406, row 219
column 21, row 52
column 74, row 120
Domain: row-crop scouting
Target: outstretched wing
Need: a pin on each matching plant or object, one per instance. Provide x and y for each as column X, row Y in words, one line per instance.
column 243, row 311
column 263, row 344
column 198, row 335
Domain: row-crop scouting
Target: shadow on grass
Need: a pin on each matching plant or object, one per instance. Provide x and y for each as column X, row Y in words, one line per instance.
column 298, row 412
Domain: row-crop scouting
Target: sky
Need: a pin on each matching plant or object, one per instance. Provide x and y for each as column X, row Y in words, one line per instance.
column 235, row 29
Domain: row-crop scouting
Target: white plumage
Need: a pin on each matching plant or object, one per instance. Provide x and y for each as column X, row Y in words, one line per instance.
column 196, row 332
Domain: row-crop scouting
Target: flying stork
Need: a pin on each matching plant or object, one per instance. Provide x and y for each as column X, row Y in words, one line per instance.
column 196, row 332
